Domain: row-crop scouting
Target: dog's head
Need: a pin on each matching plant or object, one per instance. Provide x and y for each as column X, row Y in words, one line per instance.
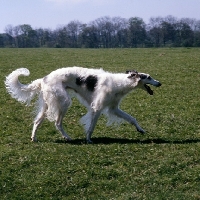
column 143, row 80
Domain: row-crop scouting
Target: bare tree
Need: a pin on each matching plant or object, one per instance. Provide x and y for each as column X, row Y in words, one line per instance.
column 137, row 31
column 107, row 32
column 74, row 29
column 9, row 29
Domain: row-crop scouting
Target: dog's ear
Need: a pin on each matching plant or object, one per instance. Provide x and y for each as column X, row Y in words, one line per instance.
column 128, row 71
column 132, row 73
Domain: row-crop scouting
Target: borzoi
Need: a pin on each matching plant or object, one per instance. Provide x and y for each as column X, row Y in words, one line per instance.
column 98, row 90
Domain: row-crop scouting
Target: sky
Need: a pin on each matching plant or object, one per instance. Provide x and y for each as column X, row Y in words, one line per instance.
column 54, row 13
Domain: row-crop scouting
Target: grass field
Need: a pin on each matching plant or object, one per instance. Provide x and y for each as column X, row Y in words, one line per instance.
column 121, row 164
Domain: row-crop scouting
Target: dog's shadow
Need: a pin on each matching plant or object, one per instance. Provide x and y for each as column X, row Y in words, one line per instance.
column 108, row 140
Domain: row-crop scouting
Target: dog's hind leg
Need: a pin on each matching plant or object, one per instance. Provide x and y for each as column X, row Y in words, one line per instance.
column 39, row 118
column 58, row 102
column 63, row 102
column 59, row 126
column 128, row 118
column 37, row 123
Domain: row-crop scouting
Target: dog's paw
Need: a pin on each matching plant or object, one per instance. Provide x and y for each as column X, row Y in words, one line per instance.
column 141, row 130
column 67, row 139
column 33, row 139
column 89, row 142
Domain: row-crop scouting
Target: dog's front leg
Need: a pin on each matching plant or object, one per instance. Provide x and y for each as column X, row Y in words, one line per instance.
column 129, row 119
column 94, row 119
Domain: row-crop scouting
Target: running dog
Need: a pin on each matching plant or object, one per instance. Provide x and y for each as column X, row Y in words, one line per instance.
column 98, row 90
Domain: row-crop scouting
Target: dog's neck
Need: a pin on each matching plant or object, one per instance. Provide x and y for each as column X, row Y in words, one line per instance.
column 125, row 84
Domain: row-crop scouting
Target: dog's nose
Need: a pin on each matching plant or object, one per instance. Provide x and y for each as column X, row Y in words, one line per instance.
column 159, row 84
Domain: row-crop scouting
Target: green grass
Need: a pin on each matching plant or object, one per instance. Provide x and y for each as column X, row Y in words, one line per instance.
column 121, row 164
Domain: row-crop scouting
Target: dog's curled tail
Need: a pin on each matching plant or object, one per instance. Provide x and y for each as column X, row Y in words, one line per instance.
column 19, row 91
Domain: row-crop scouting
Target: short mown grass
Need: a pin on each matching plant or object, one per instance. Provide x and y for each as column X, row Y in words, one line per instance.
column 121, row 164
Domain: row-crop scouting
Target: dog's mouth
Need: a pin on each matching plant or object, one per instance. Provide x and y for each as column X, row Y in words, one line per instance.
column 148, row 89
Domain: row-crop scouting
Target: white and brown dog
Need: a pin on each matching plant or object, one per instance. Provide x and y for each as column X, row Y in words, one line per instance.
column 98, row 90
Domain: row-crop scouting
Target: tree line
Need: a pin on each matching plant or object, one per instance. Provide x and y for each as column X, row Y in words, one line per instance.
column 107, row 32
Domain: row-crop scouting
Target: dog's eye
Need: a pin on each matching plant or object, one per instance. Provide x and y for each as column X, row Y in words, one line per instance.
column 149, row 78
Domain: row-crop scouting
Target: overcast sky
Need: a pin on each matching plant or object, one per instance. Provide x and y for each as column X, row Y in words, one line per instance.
column 53, row 13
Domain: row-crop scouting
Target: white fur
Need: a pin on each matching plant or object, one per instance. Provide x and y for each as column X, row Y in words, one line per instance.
column 56, row 90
